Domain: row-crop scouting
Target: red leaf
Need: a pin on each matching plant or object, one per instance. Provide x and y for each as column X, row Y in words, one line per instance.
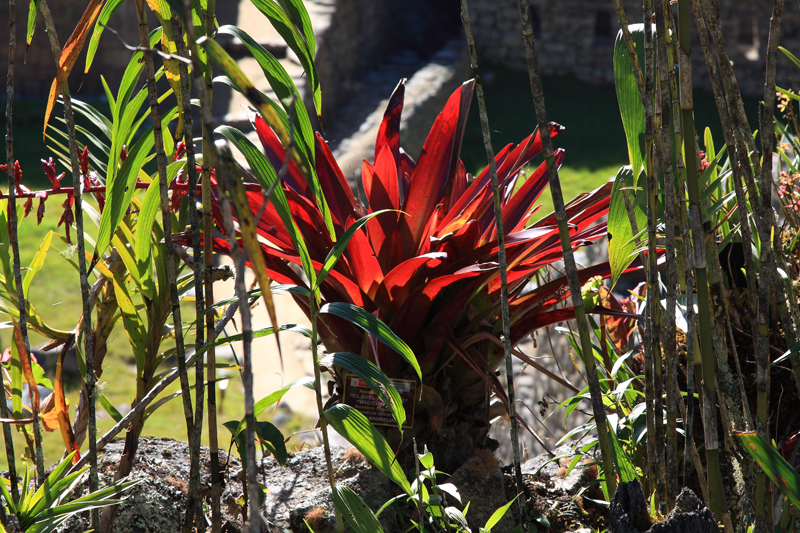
column 515, row 210
column 276, row 154
column 398, row 282
column 334, row 185
column 435, row 169
column 389, row 131
column 61, row 404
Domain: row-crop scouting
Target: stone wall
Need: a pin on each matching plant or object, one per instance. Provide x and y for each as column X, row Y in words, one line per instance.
column 577, row 37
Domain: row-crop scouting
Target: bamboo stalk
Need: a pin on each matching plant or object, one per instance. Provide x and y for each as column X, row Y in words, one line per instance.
column 501, row 254
column 203, row 85
column 194, row 507
column 14, row 238
column 668, row 467
column 208, row 256
column 90, row 380
column 717, row 501
column 566, row 247
column 169, row 255
column 764, row 208
column 85, row 324
column 12, row 50
column 238, row 255
column 652, row 352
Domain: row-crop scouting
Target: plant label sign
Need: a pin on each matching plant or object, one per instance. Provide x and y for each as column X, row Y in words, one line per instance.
column 357, row 394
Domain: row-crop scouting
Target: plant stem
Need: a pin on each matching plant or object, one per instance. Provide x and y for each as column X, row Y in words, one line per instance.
column 323, row 424
column 208, row 147
column 764, row 208
column 224, row 155
column 90, row 379
column 501, row 255
column 169, row 255
column 717, row 502
column 194, row 507
column 203, row 85
column 12, row 50
column 668, row 475
column 566, row 246
column 12, row 233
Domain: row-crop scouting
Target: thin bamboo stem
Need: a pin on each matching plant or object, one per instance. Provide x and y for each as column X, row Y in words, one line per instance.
column 14, row 239
column 229, row 167
column 764, row 208
column 166, row 221
column 194, row 507
column 12, row 50
column 208, row 146
column 501, row 254
column 652, row 352
column 566, row 247
column 203, row 85
column 668, row 472
column 717, row 502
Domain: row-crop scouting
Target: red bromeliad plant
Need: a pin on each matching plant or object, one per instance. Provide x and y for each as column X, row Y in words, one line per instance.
column 428, row 266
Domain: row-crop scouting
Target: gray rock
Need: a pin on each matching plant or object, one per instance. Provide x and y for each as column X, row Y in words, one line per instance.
column 629, row 513
column 554, row 470
column 480, row 482
column 300, row 491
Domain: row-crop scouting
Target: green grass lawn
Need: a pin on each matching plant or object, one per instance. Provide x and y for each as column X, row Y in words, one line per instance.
column 56, row 294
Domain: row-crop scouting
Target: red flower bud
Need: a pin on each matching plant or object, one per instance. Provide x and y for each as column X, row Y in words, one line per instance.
column 123, row 155
column 17, row 174
column 67, row 217
column 180, row 151
column 50, row 172
column 28, row 206
column 42, row 196
column 85, row 161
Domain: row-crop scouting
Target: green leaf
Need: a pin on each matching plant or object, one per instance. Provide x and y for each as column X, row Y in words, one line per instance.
column 33, row 13
column 273, row 398
column 37, row 263
column 284, row 88
column 630, row 103
column 340, row 246
column 375, row 379
column 497, row 515
column 266, row 176
column 246, row 87
column 360, row 432
column 295, row 40
column 219, row 341
column 121, row 187
column 776, row 467
column 355, row 512
column 105, row 14
column 626, row 471
column 621, row 245
column 109, row 407
column 368, row 322
column 271, row 437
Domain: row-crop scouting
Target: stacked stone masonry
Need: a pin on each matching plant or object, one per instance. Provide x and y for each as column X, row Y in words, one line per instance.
column 577, row 37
